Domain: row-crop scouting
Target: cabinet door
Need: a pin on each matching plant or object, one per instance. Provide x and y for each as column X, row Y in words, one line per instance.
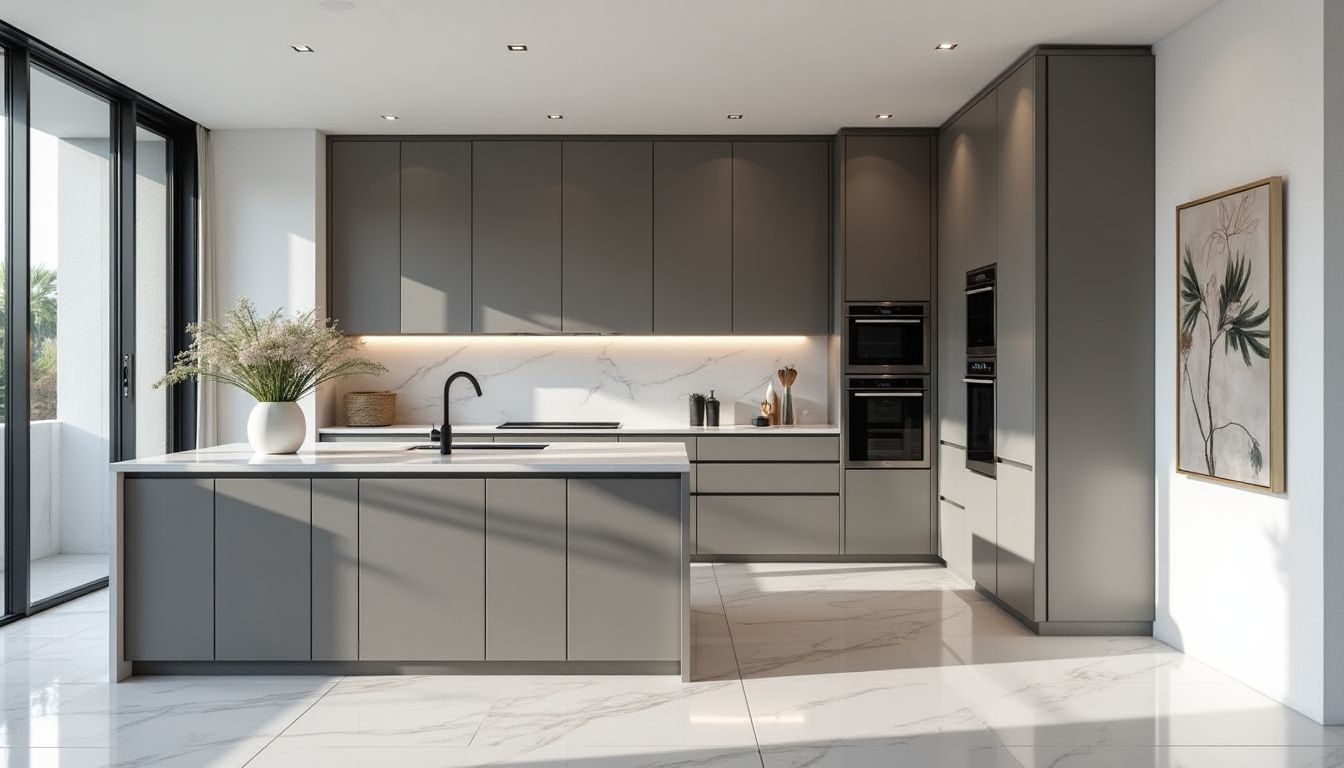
column 607, row 250
column 168, row 567
column 692, row 237
column 888, row 512
column 966, row 236
column 422, row 569
column 1016, row 305
column 768, row 525
column 1017, row 534
column 335, row 569
column 366, row 236
column 781, row 237
column 625, row 563
column 436, row 237
column 888, row 219
column 263, row 534
column 982, row 525
column 525, row 569
column 954, row 539
column 515, row 254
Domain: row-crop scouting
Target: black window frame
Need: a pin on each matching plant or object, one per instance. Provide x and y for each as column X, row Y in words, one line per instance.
column 129, row 108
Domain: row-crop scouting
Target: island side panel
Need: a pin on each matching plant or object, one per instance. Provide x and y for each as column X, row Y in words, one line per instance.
column 625, row 568
column 422, row 569
column 525, row 569
column 168, row 600
column 263, row 589
column 335, row 569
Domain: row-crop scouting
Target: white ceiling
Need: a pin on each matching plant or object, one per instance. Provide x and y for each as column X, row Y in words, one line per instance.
column 610, row 66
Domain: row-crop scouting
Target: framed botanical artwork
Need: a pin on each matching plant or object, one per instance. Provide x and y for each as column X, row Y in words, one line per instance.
column 1229, row 341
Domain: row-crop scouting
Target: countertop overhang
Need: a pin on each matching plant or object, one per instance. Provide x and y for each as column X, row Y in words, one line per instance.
column 396, row 458
column 416, row 431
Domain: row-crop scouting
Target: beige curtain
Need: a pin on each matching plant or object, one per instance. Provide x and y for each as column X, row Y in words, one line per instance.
column 207, row 397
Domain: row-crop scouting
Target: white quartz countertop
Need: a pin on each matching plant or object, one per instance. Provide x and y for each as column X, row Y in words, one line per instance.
column 393, row 458
column 418, row 431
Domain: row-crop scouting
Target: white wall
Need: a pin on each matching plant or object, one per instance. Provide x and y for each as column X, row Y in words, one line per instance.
column 1241, row 574
column 269, row 202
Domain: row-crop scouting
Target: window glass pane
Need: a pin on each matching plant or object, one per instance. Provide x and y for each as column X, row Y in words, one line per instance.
column 151, row 291
column 70, row 194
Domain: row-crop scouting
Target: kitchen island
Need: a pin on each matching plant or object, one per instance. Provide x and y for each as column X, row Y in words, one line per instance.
column 378, row 558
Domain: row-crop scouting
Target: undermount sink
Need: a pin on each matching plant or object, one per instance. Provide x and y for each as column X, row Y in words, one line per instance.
column 482, row 447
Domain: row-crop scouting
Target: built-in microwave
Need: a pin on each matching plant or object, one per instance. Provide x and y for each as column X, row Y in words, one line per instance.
column 980, row 335
column 980, row 381
column 887, row 337
column 887, row 421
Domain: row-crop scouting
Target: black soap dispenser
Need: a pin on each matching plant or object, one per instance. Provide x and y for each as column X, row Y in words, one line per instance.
column 711, row 410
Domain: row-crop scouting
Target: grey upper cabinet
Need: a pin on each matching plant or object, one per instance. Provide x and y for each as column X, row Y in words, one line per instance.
column 1016, row 306
column 435, row 237
column 607, row 248
column 692, row 237
column 888, row 218
column 966, row 191
column 366, row 236
column 169, row 569
column 263, row 577
column 781, row 237
column 422, row 569
column 516, row 240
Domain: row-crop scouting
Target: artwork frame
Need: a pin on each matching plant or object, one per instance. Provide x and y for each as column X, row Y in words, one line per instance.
column 1230, row 333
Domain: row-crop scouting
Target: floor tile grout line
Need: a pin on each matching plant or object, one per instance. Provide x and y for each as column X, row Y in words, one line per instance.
column 296, row 719
column 746, row 700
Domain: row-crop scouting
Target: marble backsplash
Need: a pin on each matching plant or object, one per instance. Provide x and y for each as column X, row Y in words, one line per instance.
column 640, row 381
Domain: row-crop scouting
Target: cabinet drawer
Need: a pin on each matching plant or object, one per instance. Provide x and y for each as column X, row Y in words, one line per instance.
column 768, row 525
column 768, row 478
column 689, row 442
column 762, row 448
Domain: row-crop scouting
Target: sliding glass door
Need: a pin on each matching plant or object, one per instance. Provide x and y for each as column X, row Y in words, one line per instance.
column 97, row 220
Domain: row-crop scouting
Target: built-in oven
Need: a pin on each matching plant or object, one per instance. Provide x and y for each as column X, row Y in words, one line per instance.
column 887, row 421
column 980, row 336
column 980, row 397
column 887, row 337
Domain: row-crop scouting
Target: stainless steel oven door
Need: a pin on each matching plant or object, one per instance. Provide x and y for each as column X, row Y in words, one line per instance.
column 887, row 428
column 886, row 344
column 980, row 448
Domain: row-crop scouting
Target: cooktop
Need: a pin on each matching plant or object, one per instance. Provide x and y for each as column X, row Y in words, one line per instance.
column 560, row 425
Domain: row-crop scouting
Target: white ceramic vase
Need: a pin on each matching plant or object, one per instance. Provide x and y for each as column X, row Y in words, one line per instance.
column 276, row 427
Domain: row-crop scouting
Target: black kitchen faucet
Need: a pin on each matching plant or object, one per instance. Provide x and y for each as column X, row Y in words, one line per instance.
column 446, row 432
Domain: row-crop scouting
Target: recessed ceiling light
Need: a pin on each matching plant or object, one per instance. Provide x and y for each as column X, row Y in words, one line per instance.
column 555, row 117
column 734, row 117
column 517, row 47
column 302, row 48
column 390, row 117
column 944, row 46
column 883, row 116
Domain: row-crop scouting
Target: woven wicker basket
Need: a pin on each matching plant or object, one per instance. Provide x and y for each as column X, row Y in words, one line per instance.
column 370, row 409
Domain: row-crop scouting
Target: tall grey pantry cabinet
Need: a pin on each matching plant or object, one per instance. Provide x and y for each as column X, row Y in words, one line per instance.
column 1048, row 173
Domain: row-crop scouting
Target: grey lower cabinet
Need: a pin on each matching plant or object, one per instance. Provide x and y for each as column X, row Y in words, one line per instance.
column 692, row 237
column 983, row 527
column 168, row 569
column 422, row 569
column 366, row 236
column 607, row 251
column 625, row 552
column 888, row 512
column 954, row 544
column 781, row 237
column 335, row 574
column 1017, row 545
column 525, row 522
column 888, row 217
column 768, row 525
column 435, row 237
column 516, row 236
column 262, row 569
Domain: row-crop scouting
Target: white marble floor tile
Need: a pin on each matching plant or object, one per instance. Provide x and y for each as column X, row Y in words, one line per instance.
column 866, row 755
column 280, row 755
column 1180, row 757
column 121, row 757
column 1075, row 661
column 614, row 711
column 397, row 711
